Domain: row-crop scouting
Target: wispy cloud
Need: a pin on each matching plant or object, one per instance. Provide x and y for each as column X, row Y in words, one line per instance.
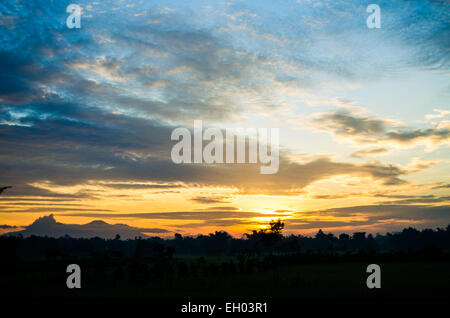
column 366, row 129
column 370, row 152
column 210, row 199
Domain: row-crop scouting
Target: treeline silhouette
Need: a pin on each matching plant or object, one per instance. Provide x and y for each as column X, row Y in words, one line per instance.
column 264, row 263
column 268, row 241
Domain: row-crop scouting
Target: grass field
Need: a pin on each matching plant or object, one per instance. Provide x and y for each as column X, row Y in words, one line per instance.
column 122, row 278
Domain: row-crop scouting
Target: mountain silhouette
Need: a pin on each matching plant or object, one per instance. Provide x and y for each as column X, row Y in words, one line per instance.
column 48, row 226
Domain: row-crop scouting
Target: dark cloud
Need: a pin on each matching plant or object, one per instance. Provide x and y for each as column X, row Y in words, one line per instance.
column 104, row 147
column 346, row 124
column 435, row 135
column 196, row 219
column 221, row 208
column 21, row 199
column 304, row 224
column 333, row 196
column 39, row 209
column 442, row 186
column 369, row 129
column 210, row 199
column 140, row 186
column 40, row 203
column 401, row 198
column 194, row 215
column 220, row 223
column 21, row 190
column 382, row 217
column 419, row 199
column 392, row 211
column 291, row 178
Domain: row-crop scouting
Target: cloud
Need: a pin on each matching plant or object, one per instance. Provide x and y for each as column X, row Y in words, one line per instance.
column 170, row 72
column 47, row 226
column 117, row 150
column 290, row 180
column 442, row 186
column 387, row 211
column 210, row 199
column 366, row 129
column 435, row 135
column 14, row 199
column 221, row 223
column 367, row 153
column 143, row 186
column 342, row 123
column 193, row 219
column 45, row 208
column 307, row 224
column 192, row 215
column 402, row 198
column 418, row 164
column 222, row 208
column 98, row 106
column 333, row 196
column 439, row 113
column 379, row 217
column 21, row 190
column 188, row 64
column 418, row 199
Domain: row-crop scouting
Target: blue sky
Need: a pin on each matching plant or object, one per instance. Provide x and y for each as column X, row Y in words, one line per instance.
column 84, row 108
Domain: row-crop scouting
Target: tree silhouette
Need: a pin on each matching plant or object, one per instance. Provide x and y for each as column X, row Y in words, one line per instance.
column 4, row 188
column 276, row 227
column 269, row 236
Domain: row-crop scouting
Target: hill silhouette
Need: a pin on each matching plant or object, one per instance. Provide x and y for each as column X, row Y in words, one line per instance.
column 49, row 227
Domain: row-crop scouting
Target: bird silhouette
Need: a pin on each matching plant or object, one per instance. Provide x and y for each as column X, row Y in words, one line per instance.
column 4, row 188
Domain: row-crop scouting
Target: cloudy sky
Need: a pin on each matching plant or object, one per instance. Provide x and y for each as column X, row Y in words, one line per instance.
column 364, row 114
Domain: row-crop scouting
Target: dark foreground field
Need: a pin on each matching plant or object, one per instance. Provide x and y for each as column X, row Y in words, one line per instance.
column 224, row 277
column 265, row 264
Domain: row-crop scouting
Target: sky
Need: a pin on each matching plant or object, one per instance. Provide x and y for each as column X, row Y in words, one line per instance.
column 86, row 114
